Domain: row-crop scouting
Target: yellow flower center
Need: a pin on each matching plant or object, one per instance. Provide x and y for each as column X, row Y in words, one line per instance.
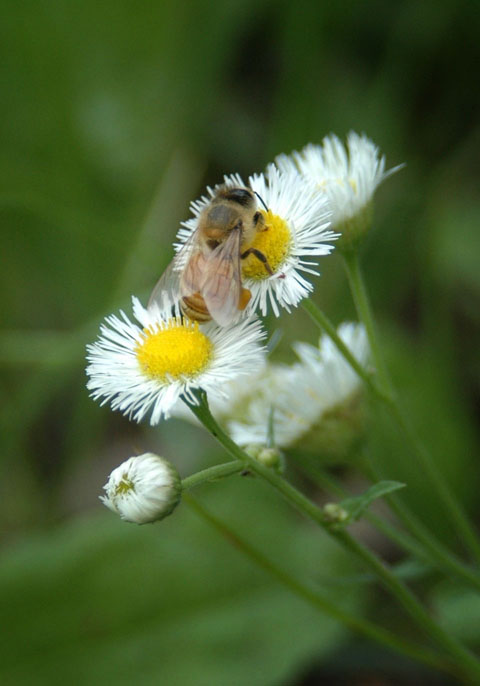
column 274, row 241
column 124, row 486
column 177, row 350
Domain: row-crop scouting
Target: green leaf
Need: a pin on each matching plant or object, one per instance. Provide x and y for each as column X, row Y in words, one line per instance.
column 349, row 510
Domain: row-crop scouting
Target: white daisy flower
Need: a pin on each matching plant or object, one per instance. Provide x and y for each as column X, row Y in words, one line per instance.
column 339, row 380
column 302, row 394
column 296, row 233
column 348, row 175
column 147, row 367
column 143, row 489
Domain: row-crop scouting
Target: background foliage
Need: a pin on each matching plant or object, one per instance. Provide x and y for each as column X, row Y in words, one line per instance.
column 116, row 116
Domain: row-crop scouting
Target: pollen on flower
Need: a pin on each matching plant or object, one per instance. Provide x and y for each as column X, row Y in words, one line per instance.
column 124, row 486
column 274, row 241
column 175, row 351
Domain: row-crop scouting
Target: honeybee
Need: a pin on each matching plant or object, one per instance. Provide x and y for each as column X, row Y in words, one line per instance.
column 205, row 276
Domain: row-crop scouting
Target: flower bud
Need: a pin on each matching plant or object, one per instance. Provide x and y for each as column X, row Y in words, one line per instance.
column 335, row 513
column 254, row 449
column 143, row 489
column 269, row 457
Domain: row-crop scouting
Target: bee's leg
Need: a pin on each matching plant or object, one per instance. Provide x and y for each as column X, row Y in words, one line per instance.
column 244, row 299
column 260, row 256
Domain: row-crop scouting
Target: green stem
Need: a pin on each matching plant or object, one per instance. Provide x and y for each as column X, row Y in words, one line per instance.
column 403, row 540
column 441, row 554
column 467, row 534
column 326, row 325
column 434, row 551
column 314, row 598
column 362, row 303
column 218, row 471
column 466, row 661
column 444, row 557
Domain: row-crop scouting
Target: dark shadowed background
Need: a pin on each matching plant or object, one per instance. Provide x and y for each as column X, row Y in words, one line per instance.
column 115, row 116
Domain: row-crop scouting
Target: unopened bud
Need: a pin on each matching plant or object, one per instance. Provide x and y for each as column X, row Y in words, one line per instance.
column 143, row 489
column 335, row 513
column 254, row 449
column 269, row 457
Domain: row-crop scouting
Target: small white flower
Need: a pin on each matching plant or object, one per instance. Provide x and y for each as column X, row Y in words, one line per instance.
column 143, row 489
column 338, row 379
column 296, row 234
column 300, row 394
column 272, row 391
column 148, row 366
column 348, row 175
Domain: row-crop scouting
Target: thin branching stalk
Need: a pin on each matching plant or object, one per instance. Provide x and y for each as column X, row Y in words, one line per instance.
column 452, row 505
column 422, row 545
column 440, row 555
column 218, row 471
column 319, row 601
column 467, row 664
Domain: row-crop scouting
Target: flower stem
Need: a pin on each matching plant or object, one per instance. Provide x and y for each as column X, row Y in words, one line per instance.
column 467, row 534
column 218, row 471
column 326, row 325
column 329, row 484
column 434, row 551
column 318, row 601
column 466, row 661
column 362, row 303
column 443, row 556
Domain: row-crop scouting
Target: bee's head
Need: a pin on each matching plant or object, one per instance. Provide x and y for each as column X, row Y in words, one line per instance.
column 241, row 196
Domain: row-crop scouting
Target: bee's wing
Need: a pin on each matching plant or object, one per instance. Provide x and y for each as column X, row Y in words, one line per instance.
column 222, row 281
column 171, row 287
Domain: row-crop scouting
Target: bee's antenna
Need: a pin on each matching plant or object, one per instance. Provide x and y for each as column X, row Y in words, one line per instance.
column 261, row 200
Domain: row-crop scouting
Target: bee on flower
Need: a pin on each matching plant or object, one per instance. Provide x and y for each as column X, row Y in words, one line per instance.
column 276, row 232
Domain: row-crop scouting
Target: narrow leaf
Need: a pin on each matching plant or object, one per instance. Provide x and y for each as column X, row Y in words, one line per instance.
column 349, row 510
column 357, row 505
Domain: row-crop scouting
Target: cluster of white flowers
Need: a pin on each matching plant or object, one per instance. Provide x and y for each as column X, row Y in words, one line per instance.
column 290, row 399
column 294, row 398
column 145, row 368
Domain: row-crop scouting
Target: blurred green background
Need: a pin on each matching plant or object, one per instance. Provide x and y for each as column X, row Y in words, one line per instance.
column 115, row 116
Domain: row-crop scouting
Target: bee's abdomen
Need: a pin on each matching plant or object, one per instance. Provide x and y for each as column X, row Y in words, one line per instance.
column 193, row 307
